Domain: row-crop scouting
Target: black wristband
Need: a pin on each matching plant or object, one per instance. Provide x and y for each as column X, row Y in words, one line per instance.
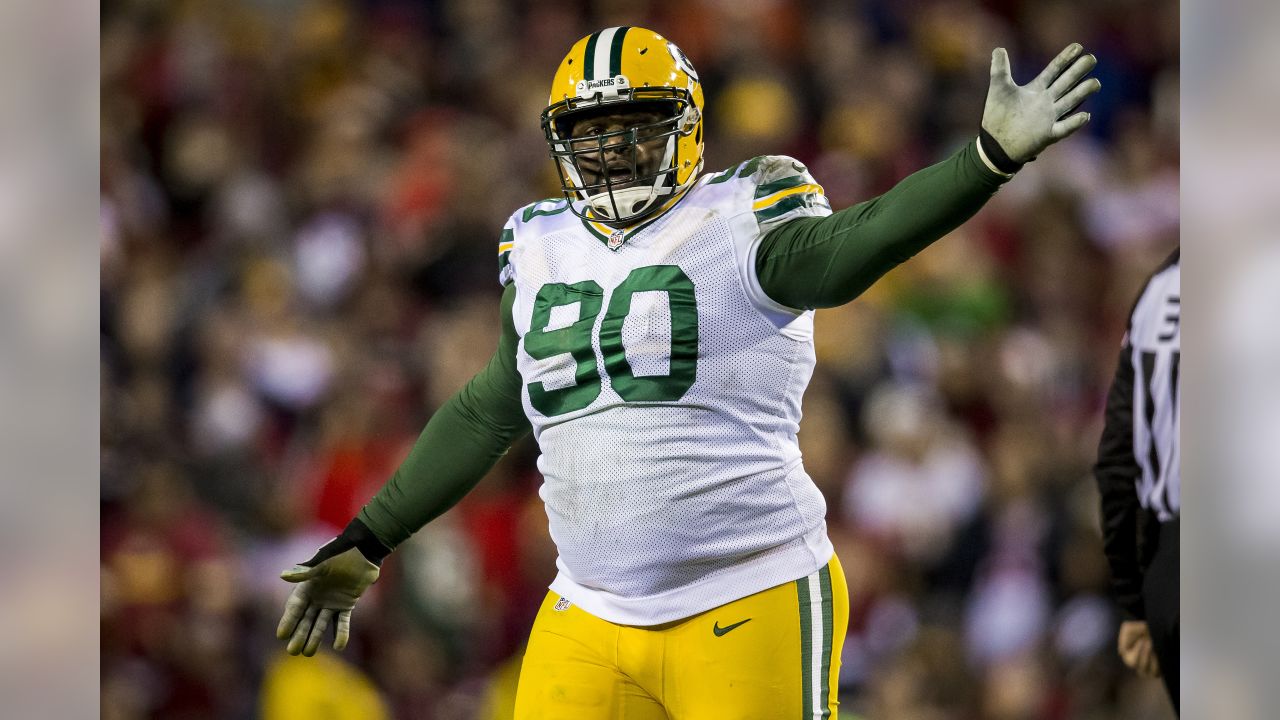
column 997, row 155
column 355, row 535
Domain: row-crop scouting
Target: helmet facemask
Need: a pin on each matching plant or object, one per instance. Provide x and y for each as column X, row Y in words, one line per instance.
column 606, row 169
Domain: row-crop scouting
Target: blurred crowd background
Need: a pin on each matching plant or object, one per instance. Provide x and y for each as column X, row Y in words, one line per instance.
column 300, row 202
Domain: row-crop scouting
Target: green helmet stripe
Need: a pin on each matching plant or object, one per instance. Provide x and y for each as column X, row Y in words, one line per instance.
column 615, row 52
column 600, row 59
column 589, row 57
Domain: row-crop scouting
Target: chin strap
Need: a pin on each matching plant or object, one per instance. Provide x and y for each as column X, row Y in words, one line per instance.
column 631, row 201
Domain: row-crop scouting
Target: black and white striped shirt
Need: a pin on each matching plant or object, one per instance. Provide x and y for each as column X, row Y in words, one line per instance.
column 1153, row 347
column 1138, row 459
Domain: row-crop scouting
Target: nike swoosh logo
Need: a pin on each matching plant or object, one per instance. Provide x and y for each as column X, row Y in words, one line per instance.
column 719, row 631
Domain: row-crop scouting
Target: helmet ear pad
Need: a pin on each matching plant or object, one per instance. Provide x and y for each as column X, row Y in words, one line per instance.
column 690, row 120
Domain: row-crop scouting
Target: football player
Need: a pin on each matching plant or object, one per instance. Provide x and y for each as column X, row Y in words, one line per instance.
column 657, row 337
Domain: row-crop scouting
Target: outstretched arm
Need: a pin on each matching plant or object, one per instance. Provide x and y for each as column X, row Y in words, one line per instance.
column 818, row 262
column 460, row 443
column 815, row 262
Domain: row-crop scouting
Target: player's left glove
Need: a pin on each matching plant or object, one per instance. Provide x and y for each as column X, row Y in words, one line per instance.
column 1019, row 122
column 328, row 586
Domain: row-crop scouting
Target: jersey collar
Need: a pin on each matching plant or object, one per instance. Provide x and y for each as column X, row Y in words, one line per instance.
column 614, row 238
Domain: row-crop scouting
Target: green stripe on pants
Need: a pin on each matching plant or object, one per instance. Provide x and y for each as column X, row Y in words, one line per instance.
column 806, row 647
column 824, row 577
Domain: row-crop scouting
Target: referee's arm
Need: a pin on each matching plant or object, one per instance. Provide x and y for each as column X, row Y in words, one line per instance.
column 1116, row 473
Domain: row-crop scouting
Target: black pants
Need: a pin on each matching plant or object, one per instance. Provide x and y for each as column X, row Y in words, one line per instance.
column 1160, row 596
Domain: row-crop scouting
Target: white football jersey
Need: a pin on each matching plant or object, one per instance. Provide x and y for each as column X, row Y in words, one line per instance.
column 664, row 389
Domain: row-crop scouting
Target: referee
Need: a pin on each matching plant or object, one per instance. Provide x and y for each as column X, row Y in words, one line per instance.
column 1139, row 480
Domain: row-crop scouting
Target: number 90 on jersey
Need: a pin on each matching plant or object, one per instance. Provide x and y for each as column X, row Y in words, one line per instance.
column 580, row 340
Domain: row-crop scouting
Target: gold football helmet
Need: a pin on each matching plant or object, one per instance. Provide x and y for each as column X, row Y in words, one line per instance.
column 621, row 70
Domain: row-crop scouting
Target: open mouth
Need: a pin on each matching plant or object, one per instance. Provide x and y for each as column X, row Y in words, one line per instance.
column 619, row 176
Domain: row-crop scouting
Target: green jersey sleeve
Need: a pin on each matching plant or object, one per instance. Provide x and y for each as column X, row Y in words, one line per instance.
column 459, row 445
column 818, row 261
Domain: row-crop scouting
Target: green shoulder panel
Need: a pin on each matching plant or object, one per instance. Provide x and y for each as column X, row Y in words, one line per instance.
column 550, row 206
column 507, row 241
column 505, row 244
column 784, row 190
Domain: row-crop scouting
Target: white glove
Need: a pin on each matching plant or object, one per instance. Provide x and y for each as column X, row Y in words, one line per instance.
column 1019, row 122
column 326, row 593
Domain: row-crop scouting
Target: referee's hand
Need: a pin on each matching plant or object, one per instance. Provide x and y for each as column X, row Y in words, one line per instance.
column 1134, row 645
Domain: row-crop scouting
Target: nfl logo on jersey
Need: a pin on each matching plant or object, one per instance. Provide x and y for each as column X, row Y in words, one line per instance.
column 562, row 604
column 615, row 240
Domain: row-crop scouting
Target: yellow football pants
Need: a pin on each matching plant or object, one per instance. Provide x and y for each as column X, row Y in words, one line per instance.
column 775, row 654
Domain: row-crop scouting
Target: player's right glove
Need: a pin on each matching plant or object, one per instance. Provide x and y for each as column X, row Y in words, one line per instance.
column 1019, row 122
column 328, row 586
